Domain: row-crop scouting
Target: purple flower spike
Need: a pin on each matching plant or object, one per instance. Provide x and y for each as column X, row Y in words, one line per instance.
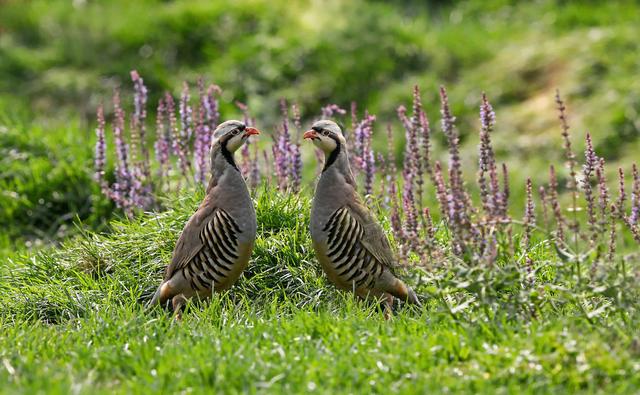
column 487, row 164
column 408, row 162
column 411, row 162
column 212, row 107
column 603, row 201
column 504, row 200
column 176, row 142
column 572, row 182
column 368, row 156
column 635, row 197
column 441, row 191
column 100, row 152
column 622, row 196
column 122, row 185
column 426, row 143
column 186, row 128
column 571, row 158
column 430, row 229
column 137, row 194
column 402, row 116
column 207, row 120
column 186, row 116
column 529, row 214
column 296, row 167
column 330, row 110
column 295, row 151
column 354, row 124
column 201, row 148
column 282, row 150
column 392, row 184
column 138, row 128
column 591, row 161
column 163, row 142
column 409, row 206
column 458, row 201
column 358, row 143
column 529, row 223
column 612, row 235
column 417, row 134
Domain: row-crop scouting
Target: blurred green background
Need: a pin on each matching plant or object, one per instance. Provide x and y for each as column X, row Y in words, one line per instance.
column 60, row 59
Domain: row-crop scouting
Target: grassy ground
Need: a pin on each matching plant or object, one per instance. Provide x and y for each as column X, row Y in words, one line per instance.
column 72, row 317
column 72, row 320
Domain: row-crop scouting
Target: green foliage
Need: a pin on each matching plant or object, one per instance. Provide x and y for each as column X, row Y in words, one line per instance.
column 62, row 52
column 46, row 183
column 74, row 318
column 60, row 59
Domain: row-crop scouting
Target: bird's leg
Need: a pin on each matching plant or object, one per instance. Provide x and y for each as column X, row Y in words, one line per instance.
column 178, row 303
column 388, row 306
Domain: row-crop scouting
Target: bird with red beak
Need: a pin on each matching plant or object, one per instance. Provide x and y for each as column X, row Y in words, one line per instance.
column 216, row 243
column 350, row 244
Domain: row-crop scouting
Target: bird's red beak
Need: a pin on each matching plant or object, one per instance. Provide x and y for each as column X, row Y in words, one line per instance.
column 251, row 131
column 310, row 134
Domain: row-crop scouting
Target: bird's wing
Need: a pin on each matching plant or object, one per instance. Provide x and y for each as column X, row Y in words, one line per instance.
column 354, row 223
column 211, row 229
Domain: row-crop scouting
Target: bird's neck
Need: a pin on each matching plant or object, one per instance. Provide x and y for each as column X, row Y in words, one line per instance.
column 222, row 160
column 337, row 165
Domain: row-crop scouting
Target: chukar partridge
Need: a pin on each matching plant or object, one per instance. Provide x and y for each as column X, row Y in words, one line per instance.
column 217, row 241
column 349, row 243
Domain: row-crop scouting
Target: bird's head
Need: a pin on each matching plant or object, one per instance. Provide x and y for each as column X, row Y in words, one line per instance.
column 326, row 135
column 232, row 134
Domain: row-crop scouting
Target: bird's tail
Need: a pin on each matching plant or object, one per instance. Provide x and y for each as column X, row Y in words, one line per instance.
column 405, row 293
column 413, row 298
column 157, row 298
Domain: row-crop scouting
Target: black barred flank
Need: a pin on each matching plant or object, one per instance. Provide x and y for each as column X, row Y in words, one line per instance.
column 355, row 250
column 351, row 260
column 212, row 264
column 216, row 246
column 228, row 220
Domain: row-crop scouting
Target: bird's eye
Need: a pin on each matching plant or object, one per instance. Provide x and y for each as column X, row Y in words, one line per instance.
column 235, row 131
column 325, row 132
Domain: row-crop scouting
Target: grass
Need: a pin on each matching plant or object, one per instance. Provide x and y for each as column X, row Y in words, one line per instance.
column 232, row 347
column 71, row 298
column 73, row 319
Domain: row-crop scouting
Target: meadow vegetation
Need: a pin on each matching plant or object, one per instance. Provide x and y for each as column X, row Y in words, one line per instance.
column 529, row 285
column 74, row 318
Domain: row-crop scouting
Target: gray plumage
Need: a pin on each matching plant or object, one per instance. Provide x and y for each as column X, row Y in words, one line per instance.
column 349, row 243
column 216, row 243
